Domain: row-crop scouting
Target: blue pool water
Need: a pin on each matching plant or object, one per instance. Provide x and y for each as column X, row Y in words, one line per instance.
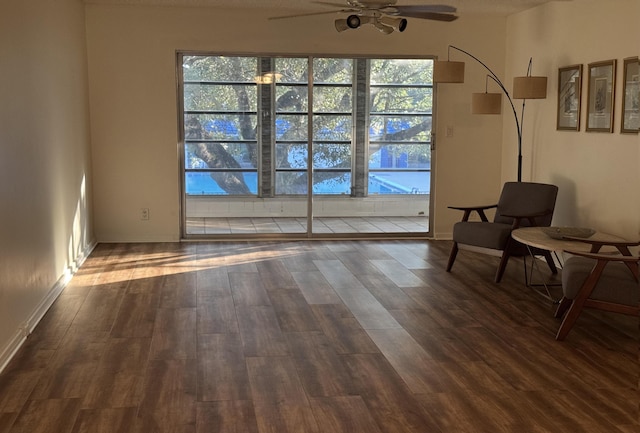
column 379, row 183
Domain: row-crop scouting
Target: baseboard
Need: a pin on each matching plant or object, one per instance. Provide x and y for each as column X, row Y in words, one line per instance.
column 41, row 309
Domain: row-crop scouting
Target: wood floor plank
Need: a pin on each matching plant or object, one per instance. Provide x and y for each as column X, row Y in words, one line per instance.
column 247, row 288
column 315, row 288
column 343, row 330
column 280, row 401
column 119, row 378
column 235, row 416
column 292, row 311
column 137, row 315
column 275, row 275
column 409, row 360
column 222, row 372
column 73, row 366
column 169, row 402
column 260, row 331
column 406, row 256
column 178, row 290
column 364, row 306
column 398, row 273
column 321, row 370
column 46, row 416
column 347, row 414
column 174, row 334
column 105, row 420
column 391, row 403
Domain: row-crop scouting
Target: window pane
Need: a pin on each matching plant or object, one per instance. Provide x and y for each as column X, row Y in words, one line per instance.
column 332, row 99
column 290, row 155
column 221, row 155
column 220, row 127
column 331, row 155
column 219, row 68
column 401, row 71
column 221, row 183
column 332, row 182
column 401, row 100
column 332, row 127
column 292, row 70
column 220, row 97
column 291, row 127
column 400, row 128
column 399, row 156
column 291, row 98
column 335, row 71
column 399, row 182
column 288, row 182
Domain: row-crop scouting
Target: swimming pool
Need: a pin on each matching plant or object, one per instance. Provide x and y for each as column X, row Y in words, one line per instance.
column 379, row 183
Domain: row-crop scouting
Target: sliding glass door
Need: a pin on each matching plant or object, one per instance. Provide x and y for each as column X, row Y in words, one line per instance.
column 304, row 146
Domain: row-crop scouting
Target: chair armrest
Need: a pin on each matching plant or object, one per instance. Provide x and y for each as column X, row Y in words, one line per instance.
column 468, row 209
column 530, row 217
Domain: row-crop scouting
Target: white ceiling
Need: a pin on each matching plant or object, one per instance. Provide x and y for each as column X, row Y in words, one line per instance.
column 501, row 7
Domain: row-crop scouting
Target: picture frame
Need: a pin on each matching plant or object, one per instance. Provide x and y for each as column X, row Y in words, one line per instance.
column 569, row 98
column 601, row 95
column 630, row 119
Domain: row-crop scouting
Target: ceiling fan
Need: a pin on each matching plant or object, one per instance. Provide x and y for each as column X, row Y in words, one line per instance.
column 383, row 14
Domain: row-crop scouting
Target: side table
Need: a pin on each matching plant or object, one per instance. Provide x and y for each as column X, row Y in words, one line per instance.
column 536, row 238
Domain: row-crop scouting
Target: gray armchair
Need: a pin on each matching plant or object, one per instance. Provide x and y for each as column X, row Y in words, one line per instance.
column 601, row 281
column 521, row 204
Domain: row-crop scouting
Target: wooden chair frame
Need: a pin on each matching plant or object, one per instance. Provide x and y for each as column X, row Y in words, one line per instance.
column 574, row 307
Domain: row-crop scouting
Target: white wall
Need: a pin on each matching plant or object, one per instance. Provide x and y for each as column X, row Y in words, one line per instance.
column 598, row 173
column 45, row 223
column 132, row 76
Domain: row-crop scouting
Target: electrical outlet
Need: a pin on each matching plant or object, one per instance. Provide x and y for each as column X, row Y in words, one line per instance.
column 144, row 213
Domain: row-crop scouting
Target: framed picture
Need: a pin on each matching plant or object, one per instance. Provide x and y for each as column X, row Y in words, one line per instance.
column 569, row 92
column 631, row 94
column 602, row 85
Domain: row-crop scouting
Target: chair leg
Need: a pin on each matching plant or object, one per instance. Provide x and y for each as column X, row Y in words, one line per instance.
column 569, row 320
column 502, row 266
column 452, row 256
column 562, row 307
column 578, row 303
column 504, row 259
column 552, row 265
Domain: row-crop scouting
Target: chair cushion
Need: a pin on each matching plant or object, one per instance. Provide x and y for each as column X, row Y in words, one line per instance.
column 616, row 284
column 482, row 234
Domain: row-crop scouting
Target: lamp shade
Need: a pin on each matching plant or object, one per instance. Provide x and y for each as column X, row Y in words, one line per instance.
column 448, row 72
column 529, row 87
column 486, row 103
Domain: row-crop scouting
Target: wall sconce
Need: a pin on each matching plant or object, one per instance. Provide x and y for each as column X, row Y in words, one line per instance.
column 528, row 87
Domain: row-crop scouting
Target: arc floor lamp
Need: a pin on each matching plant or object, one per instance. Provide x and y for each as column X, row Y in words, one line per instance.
column 527, row 87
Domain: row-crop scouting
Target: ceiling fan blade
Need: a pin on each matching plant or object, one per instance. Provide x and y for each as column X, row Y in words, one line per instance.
column 282, row 17
column 428, row 16
column 403, row 10
column 338, row 5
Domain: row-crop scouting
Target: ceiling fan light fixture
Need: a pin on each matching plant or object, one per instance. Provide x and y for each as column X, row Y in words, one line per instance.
column 383, row 27
column 353, row 21
column 399, row 24
column 341, row 25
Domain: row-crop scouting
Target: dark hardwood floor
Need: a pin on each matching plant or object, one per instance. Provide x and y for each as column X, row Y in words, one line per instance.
column 317, row 336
